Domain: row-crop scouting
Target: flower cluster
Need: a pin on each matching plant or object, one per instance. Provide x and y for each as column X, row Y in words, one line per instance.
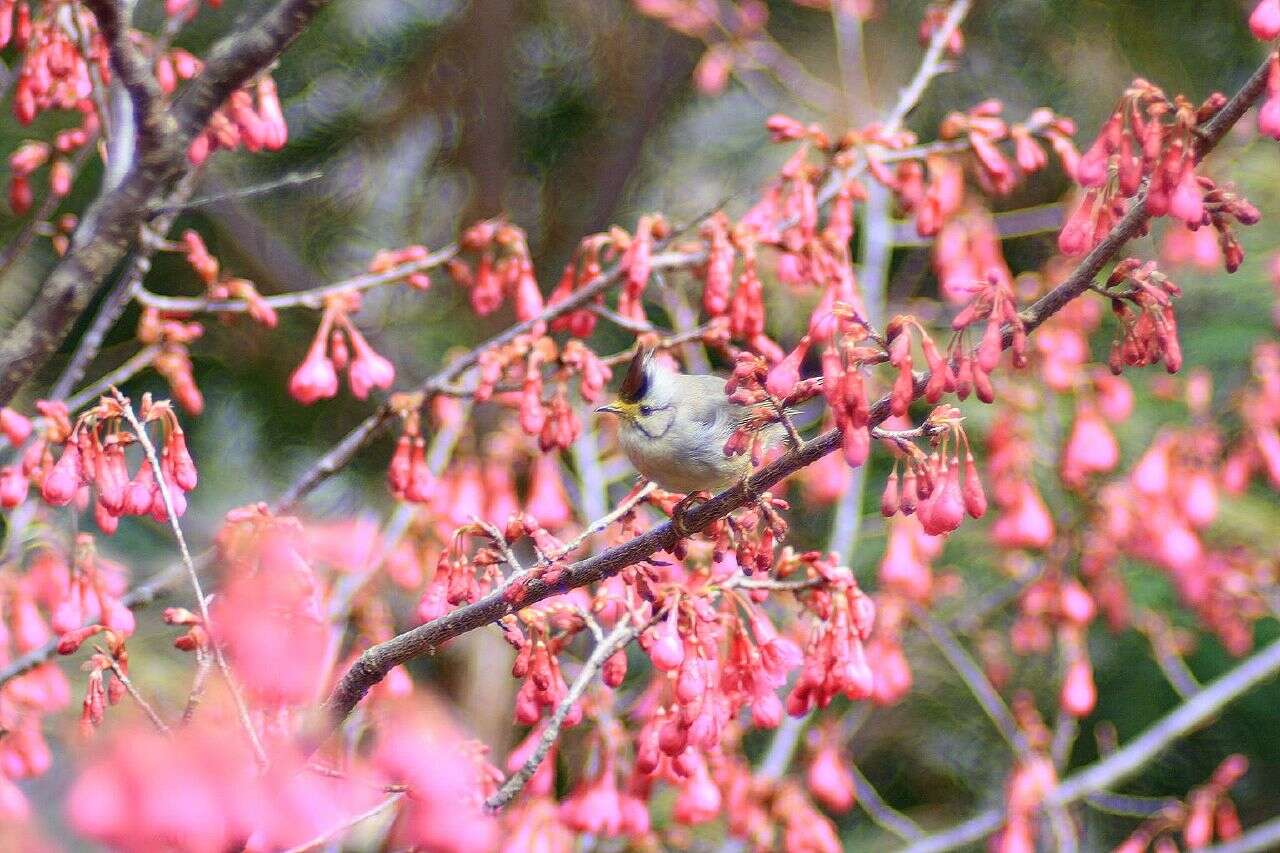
column 835, row 658
column 173, row 360
column 339, row 345
column 503, row 270
column 255, row 121
column 1137, row 145
column 1148, row 326
column 933, row 487
column 207, row 267
column 93, row 462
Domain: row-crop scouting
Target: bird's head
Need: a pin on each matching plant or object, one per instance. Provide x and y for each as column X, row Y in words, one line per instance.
column 643, row 399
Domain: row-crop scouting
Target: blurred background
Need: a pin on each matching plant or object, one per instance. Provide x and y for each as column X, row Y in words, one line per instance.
column 567, row 116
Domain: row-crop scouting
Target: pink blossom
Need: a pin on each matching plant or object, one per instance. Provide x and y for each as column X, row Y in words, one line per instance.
column 1265, row 20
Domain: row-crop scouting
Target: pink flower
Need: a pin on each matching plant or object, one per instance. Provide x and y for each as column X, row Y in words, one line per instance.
column 667, row 651
column 314, row 379
column 369, row 369
column 443, row 812
column 1265, row 20
column 274, row 640
column 784, row 375
column 830, row 780
column 15, row 427
column 1079, row 694
column 547, row 502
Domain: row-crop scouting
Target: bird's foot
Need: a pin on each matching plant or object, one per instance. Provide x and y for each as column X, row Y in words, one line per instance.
column 680, row 512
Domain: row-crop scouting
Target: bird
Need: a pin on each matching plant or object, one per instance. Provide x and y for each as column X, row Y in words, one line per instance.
column 673, row 427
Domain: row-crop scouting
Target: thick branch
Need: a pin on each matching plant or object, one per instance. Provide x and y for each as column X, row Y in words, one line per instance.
column 373, row 665
column 132, row 69
column 235, row 59
column 111, row 226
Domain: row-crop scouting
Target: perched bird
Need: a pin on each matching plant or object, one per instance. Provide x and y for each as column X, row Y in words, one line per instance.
column 674, row 427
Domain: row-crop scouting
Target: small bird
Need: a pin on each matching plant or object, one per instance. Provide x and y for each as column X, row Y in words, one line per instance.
column 674, row 427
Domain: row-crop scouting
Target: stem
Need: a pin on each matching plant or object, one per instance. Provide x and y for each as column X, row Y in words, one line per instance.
column 149, row 449
column 1127, row 761
column 392, row 798
column 972, row 675
column 313, row 298
column 884, row 815
column 160, row 724
column 622, row 634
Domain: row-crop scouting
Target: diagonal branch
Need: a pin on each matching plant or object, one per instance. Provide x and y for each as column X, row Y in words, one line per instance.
column 235, row 59
column 1126, row 762
column 111, row 226
column 376, row 661
column 622, row 634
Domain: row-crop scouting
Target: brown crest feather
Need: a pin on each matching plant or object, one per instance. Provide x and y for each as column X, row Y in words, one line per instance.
column 636, row 383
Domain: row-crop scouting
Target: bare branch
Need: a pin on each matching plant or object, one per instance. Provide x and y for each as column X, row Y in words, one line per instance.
column 1127, row 761
column 125, row 682
column 127, row 285
column 166, row 496
column 969, row 671
column 391, row 799
column 621, row 634
column 884, row 815
column 126, row 371
column 133, row 70
column 931, row 66
column 313, row 298
column 203, row 666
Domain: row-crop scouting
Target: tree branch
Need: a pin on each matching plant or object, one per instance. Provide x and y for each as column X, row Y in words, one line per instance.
column 1127, row 761
column 154, row 461
column 111, row 227
column 313, row 298
column 376, row 661
column 132, row 69
column 971, row 674
column 238, row 57
column 621, row 634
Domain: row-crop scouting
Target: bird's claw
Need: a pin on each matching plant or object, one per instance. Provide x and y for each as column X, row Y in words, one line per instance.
column 686, row 504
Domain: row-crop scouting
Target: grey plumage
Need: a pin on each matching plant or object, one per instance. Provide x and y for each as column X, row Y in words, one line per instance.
column 673, row 427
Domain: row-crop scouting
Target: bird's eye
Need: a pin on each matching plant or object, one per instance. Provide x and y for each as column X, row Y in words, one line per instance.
column 645, row 411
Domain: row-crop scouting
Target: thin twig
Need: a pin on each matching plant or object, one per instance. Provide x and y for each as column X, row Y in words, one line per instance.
column 204, row 665
column 1128, row 805
column 313, row 298
column 500, row 542
column 293, row 179
column 1129, row 759
column 603, row 523
column 884, row 815
column 745, row 582
column 118, row 298
column 332, row 834
column 1164, row 649
column 127, row 684
column 930, row 66
column 242, row 709
column 621, row 634
column 972, row 675
column 134, row 365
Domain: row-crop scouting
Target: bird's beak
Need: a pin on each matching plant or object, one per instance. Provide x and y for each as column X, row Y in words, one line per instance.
column 612, row 409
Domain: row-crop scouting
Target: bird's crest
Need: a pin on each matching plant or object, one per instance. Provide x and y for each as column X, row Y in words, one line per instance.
column 635, row 385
